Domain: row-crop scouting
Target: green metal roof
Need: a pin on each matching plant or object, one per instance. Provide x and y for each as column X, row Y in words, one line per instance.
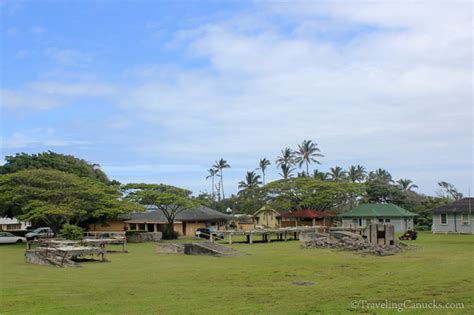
column 378, row 210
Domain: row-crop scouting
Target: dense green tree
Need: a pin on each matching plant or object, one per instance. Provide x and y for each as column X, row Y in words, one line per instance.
column 307, row 153
column 169, row 199
column 51, row 160
column 220, row 165
column 54, row 198
column 252, row 180
column 263, row 165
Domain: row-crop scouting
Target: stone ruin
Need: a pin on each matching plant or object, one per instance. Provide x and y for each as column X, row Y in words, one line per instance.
column 196, row 248
column 376, row 239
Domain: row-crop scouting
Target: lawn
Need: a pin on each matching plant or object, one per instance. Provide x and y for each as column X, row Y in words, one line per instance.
column 143, row 282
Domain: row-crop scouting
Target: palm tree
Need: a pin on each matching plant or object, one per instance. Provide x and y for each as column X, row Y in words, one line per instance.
column 262, row 165
column 320, row 175
column 337, row 173
column 406, row 184
column 287, row 157
column 381, row 174
column 220, row 165
column 252, row 180
column 212, row 174
column 286, row 171
column 356, row 173
column 307, row 153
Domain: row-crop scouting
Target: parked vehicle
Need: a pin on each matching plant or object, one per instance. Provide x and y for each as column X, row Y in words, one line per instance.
column 409, row 235
column 207, row 232
column 42, row 232
column 9, row 238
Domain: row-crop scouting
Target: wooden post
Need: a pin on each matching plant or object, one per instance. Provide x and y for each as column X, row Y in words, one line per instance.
column 251, row 238
column 269, row 238
column 313, row 222
column 230, row 238
column 286, row 236
column 211, row 238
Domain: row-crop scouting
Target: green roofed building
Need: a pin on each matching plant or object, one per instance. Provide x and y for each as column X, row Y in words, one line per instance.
column 385, row 213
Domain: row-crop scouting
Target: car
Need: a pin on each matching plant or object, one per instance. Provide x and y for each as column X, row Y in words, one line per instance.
column 9, row 238
column 41, row 232
column 207, row 232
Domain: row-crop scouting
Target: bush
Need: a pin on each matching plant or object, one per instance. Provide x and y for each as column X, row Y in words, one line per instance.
column 71, row 232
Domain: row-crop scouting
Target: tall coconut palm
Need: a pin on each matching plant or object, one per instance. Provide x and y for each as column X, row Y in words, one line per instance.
column 406, row 184
column 337, row 173
column 262, row 165
column 320, row 175
column 356, row 173
column 307, row 153
column 287, row 157
column 220, row 165
column 286, row 170
column 252, row 180
column 212, row 174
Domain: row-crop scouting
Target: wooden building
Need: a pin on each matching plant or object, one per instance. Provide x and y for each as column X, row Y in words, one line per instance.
column 455, row 217
column 267, row 217
column 306, row 217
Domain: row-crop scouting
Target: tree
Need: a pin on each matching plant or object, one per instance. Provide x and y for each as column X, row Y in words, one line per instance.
column 169, row 199
column 287, row 157
column 448, row 190
column 220, row 165
column 252, row 180
column 337, row 174
column 381, row 174
column 54, row 198
column 320, row 175
column 212, row 174
column 307, row 153
column 286, row 171
column 406, row 184
column 51, row 160
column 356, row 173
column 262, row 165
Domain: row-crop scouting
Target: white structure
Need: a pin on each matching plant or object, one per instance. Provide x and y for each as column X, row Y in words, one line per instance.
column 7, row 224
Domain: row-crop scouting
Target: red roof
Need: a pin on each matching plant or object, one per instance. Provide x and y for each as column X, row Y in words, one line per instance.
column 308, row 214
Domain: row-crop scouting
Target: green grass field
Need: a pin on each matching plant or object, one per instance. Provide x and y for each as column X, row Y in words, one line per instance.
column 143, row 282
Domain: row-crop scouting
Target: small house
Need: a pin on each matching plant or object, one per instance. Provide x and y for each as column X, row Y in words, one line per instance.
column 381, row 213
column 306, row 217
column 186, row 222
column 267, row 217
column 12, row 224
column 455, row 217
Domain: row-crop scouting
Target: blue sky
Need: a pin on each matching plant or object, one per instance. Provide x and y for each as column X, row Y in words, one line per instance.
column 156, row 91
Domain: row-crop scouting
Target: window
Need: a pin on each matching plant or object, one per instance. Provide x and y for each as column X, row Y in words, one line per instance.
column 141, row 226
column 380, row 220
column 133, row 226
column 465, row 219
column 444, row 219
column 387, row 220
column 369, row 221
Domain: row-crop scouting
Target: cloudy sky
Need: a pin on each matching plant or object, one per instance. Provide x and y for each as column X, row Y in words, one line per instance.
column 156, row 91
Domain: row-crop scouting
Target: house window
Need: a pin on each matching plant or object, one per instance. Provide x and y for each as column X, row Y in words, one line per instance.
column 141, row 226
column 387, row 220
column 444, row 218
column 380, row 220
column 465, row 218
column 133, row 226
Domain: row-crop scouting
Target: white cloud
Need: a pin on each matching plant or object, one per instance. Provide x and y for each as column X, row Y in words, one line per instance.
column 69, row 57
column 396, row 92
column 38, row 138
column 44, row 95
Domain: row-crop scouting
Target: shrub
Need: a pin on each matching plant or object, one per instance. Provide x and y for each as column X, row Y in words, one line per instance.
column 71, row 232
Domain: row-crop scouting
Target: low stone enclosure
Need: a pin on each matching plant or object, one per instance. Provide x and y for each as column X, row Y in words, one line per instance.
column 141, row 237
column 196, row 248
column 66, row 253
column 376, row 239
